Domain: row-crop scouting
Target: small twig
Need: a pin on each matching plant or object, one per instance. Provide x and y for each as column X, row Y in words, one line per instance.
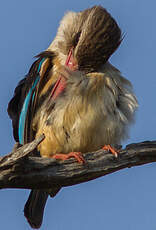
column 19, row 153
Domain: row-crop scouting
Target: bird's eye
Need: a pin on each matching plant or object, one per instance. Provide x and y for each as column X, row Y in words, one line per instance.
column 76, row 39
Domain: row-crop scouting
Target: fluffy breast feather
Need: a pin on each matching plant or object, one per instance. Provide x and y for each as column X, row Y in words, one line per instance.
column 95, row 109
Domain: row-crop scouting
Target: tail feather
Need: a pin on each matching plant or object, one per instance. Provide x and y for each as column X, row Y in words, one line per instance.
column 34, row 207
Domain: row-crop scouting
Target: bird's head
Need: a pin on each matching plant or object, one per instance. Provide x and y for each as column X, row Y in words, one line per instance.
column 86, row 39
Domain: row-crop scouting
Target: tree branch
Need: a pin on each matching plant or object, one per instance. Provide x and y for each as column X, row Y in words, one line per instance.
column 21, row 170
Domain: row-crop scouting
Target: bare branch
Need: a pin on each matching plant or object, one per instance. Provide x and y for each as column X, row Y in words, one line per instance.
column 20, row 170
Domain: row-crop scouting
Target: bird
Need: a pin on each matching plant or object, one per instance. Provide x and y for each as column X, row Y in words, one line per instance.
column 74, row 96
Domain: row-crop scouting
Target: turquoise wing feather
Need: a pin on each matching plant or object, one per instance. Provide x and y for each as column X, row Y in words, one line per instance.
column 29, row 98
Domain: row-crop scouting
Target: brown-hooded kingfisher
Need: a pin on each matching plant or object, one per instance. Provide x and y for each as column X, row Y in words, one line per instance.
column 74, row 96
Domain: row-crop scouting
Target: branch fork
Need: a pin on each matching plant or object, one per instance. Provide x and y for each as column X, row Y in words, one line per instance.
column 20, row 169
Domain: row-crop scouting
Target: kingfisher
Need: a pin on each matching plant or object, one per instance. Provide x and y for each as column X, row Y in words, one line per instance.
column 74, row 96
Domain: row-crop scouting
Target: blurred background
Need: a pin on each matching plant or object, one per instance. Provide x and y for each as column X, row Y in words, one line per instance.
column 123, row 200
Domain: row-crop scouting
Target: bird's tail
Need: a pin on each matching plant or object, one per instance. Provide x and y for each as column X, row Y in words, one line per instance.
column 34, row 207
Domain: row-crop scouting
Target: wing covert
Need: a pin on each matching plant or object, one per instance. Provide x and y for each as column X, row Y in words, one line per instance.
column 22, row 106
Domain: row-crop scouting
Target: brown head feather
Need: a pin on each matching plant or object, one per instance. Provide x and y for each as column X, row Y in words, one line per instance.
column 99, row 38
column 93, row 34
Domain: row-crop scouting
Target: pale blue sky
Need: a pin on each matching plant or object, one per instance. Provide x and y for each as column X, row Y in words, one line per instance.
column 123, row 200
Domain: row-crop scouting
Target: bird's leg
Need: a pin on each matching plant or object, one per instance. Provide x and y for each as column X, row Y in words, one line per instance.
column 111, row 149
column 77, row 155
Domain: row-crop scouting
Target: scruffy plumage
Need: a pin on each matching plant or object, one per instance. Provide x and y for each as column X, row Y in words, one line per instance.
column 73, row 94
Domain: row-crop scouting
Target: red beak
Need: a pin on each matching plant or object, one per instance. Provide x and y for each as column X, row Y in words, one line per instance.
column 71, row 62
column 61, row 83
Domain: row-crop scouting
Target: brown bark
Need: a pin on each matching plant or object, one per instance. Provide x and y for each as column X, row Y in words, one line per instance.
column 21, row 170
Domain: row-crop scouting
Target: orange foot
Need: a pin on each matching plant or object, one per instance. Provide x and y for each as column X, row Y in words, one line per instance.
column 112, row 150
column 77, row 155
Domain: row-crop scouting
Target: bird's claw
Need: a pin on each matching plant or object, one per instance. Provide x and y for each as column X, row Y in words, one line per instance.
column 77, row 155
column 111, row 149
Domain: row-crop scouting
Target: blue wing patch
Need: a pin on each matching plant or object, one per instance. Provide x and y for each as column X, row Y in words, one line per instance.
column 29, row 97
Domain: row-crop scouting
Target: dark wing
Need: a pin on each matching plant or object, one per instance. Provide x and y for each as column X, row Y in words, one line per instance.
column 22, row 106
